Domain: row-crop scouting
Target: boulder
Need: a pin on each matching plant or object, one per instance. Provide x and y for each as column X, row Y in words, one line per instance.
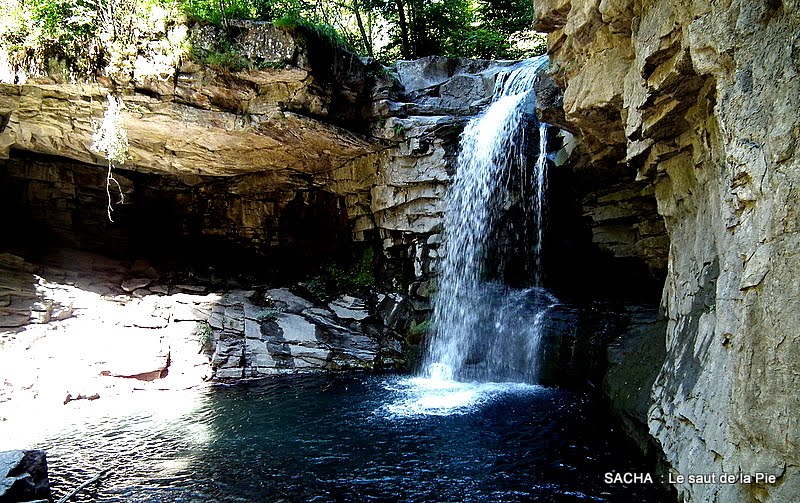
column 136, row 283
column 23, row 476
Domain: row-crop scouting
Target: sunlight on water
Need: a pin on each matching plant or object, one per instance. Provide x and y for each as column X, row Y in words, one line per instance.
column 145, row 413
column 440, row 396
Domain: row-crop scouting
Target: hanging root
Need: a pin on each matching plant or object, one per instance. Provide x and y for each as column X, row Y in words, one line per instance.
column 110, row 178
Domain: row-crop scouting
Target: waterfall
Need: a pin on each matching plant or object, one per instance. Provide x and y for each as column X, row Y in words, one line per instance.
column 484, row 330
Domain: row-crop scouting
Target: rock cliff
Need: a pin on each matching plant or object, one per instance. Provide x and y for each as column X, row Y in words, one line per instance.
column 292, row 159
column 699, row 100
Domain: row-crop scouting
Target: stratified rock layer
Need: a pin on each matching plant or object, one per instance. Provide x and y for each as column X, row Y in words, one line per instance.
column 295, row 335
column 701, row 100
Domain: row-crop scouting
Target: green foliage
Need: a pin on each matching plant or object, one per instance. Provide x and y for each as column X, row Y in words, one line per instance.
column 415, row 28
column 88, row 35
column 313, row 31
column 414, row 342
column 483, row 43
column 466, row 28
column 224, row 56
column 288, row 15
column 218, row 11
column 335, row 280
column 399, row 130
column 62, row 29
column 365, row 277
column 204, row 333
column 507, row 16
column 78, row 36
column 269, row 314
column 417, row 330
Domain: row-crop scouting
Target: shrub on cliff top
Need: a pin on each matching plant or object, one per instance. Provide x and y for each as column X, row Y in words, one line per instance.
column 315, row 32
column 82, row 36
column 218, row 11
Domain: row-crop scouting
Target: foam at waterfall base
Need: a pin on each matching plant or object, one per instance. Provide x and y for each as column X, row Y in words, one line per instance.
column 441, row 396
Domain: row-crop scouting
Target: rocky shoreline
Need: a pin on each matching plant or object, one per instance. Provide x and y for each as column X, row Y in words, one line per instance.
column 81, row 326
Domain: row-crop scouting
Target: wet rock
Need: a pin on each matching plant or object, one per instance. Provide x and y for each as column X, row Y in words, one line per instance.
column 299, row 337
column 635, row 359
column 395, row 311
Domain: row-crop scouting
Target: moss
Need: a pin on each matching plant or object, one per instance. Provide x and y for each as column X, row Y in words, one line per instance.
column 270, row 314
column 222, row 58
column 418, row 331
column 204, row 333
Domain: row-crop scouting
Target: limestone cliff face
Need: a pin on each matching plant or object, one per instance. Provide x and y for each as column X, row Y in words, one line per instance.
column 700, row 100
column 298, row 117
column 293, row 161
column 217, row 158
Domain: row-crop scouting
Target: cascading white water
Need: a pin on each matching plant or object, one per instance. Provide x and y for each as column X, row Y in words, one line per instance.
column 484, row 331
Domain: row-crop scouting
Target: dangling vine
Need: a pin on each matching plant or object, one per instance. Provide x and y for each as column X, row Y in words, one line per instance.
column 111, row 139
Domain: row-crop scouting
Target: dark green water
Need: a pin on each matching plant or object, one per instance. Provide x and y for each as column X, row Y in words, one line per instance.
column 350, row 438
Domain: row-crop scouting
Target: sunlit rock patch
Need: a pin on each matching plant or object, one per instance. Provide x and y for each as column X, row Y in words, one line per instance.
column 81, row 326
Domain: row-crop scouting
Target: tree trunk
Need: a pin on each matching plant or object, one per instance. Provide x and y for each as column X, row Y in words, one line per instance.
column 364, row 38
column 419, row 35
column 403, row 29
column 224, row 18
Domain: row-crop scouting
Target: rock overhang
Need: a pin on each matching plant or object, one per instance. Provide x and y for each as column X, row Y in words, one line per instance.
column 174, row 138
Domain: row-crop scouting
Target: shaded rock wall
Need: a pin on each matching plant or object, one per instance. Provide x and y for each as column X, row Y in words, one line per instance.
column 700, row 100
column 171, row 219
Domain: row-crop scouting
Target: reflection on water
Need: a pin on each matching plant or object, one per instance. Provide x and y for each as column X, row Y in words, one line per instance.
column 337, row 438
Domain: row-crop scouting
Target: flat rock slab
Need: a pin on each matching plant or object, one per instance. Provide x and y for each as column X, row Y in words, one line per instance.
column 13, row 320
column 288, row 301
column 297, row 329
column 136, row 283
column 348, row 307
